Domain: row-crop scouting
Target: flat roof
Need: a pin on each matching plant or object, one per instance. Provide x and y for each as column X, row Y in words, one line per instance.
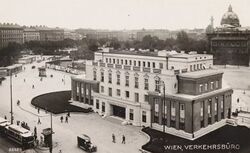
column 201, row 73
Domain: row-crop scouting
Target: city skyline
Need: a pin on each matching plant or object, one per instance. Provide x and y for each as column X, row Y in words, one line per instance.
column 119, row 15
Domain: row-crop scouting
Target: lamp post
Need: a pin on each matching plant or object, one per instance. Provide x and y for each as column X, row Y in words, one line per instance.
column 11, row 103
column 164, row 103
column 51, row 145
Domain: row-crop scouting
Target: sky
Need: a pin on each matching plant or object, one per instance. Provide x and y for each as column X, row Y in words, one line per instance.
column 121, row 14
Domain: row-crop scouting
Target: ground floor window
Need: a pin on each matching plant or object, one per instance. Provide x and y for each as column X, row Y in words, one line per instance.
column 77, row 98
column 131, row 114
column 103, row 106
column 144, row 116
column 97, row 104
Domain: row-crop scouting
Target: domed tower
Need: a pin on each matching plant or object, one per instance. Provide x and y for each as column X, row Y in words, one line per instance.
column 230, row 18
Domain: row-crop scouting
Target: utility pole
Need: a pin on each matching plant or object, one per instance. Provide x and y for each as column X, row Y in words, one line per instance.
column 51, row 145
column 11, row 103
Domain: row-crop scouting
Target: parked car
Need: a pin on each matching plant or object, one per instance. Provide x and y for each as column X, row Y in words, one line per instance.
column 33, row 67
column 84, row 142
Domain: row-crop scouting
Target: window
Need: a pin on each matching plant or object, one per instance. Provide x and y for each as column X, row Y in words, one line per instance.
column 212, row 85
column 216, row 84
column 205, row 86
column 109, row 60
column 156, row 115
column 153, row 64
column 222, row 107
column 216, row 109
column 130, row 62
column 117, row 61
column 209, row 111
column 144, row 64
column 148, row 64
column 136, row 82
column 139, row 63
column 127, row 80
column 136, row 97
column 202, row 114
column 113, row 61
column 200, row 88
column 164, row 116
column 172, row 121
column 182, row 117
column 127, row 94
column 118, row 79
column 191, row 68
column 118, row 92
column 131, row 114
column 102, row 76
column 126, row 62
column 103, row 106
column 122, row 61
column 94, row 75
column 144, row 116
column 97, row 104
column 146, row 98
column 146, row 83
column 110, row 77
column 161, row 65
column 102, row 89
column 157, row 85
column 134, row 63
column 110, row 92
column 77, row 87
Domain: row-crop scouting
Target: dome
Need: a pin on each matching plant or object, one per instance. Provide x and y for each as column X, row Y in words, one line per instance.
column 230, row 18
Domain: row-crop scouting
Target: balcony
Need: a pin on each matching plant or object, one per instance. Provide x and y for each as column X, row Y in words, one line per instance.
column 102, row 64
column 146, row 69
column 126, row 67
column 136, row 68
column 118, row 66
column 158, row 71
column 110, row 65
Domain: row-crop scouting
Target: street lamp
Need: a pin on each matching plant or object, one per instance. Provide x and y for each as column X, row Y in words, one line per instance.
column 11, row 104
column 164, row 103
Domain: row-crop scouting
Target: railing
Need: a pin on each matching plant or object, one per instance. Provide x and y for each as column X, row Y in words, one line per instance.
column 136, row 68
column 127, row 67
column 110, row 65
column 158, row 71
column 146, row 69
column 118, row 66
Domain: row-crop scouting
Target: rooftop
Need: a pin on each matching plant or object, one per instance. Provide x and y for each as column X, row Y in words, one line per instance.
column 201, row 73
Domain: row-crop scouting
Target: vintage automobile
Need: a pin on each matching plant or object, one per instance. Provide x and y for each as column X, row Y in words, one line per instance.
column 33, row 67
column 84, row 142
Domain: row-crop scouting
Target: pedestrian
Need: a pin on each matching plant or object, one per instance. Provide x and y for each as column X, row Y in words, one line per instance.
column 35, row 133
column 5, row 117
column 38, row 110
column 24, row 80
column 113, row 138
column 60, row 151
column 61, row 119
column 39, row 122
column 123, row 139
column 18, row 102
column 238, row 100
column 33, row 86
column 68, row 114
column 66, row 119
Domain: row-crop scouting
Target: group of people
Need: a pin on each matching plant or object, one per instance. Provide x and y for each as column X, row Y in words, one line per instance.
column 66, row 118
column 114, row 139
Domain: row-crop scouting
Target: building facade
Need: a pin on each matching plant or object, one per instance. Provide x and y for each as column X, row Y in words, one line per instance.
column 173, row 92
column 10, row 33
column 230, row 42
column 30, row 34
column 51, row 34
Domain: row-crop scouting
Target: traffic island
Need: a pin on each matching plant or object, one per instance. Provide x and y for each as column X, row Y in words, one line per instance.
column 227, row 139
column 57, row 102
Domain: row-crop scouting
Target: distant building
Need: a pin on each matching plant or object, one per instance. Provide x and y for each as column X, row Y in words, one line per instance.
column 229, row 43
column 161, row 34
column 51, row 34
column 72, row 35
column 130, row 85
column 10, row 33
column 30, row 34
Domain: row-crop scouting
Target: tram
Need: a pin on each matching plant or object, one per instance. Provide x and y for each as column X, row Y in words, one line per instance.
column 3, row 124
column 20, row 135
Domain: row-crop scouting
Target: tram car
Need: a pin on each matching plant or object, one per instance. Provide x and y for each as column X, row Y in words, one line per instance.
column 3, row 124
column 20, row 135
column 83, row 142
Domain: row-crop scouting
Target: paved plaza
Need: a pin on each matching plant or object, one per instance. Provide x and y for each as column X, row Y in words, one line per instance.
column 100, row 130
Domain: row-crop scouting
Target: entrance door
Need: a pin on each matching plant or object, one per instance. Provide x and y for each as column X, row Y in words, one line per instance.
column 119, row 111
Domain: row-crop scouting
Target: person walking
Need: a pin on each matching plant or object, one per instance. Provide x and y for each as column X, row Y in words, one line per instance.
column 38, row 110
column 113, row 138
column 61, row 119
column 68, row 114
column 66, row 119
column 5, row 117
column 123, row 139
column 33, row 86
column 39, row 122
